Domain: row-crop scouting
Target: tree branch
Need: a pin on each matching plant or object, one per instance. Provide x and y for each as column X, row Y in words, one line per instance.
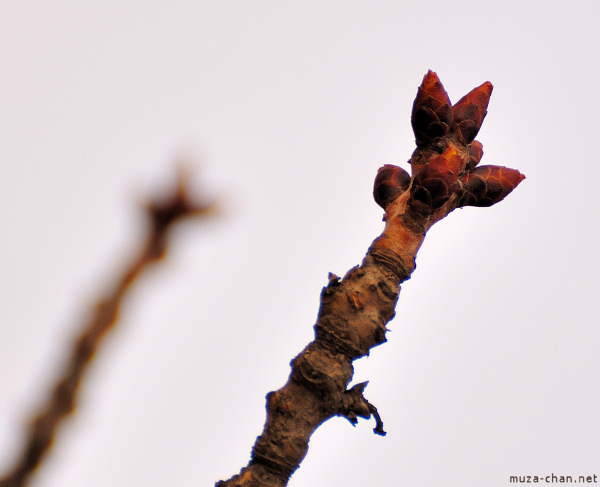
column 354, row 310
column 63, row 399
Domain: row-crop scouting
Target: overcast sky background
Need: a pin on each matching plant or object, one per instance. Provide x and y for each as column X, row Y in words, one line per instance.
column 286, row 110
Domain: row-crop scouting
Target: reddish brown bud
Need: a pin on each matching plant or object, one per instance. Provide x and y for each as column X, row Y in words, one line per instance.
column 446, row 165
column 469, row 112
column 390, row 182
column 475, row 154
column 432, row 111
column 487, row 185
column 446, row 152
column 437, row 181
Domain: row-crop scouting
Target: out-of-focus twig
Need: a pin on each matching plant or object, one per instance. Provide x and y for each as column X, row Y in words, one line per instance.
column 63, row 398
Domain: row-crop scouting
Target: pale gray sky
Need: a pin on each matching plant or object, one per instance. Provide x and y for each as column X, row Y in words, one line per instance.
column 288, row 109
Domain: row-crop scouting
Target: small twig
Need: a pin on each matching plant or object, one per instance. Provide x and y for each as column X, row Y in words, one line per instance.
column 355, row 405
column 63, row 398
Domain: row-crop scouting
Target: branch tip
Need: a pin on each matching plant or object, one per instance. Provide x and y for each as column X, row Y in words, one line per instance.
column 354, row 310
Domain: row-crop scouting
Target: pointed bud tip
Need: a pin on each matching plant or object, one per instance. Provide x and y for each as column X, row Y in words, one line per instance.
column 513, row 175
column 478, row 96
column 429, row 80
column 486, row 87
column 432, row 86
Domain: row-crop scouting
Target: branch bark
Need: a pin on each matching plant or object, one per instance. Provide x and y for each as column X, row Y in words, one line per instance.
column 354, row 310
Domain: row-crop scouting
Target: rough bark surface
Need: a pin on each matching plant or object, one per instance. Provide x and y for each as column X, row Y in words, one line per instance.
column 355, row 309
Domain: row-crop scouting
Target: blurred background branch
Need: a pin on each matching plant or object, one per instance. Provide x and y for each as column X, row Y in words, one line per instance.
column 161, row 213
